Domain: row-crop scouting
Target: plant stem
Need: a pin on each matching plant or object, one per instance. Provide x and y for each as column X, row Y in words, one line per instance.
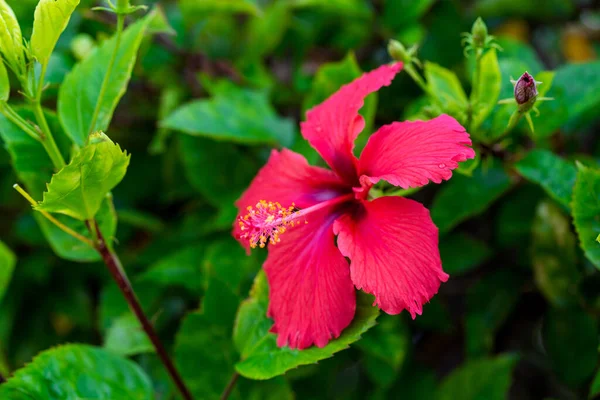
column 118, row 273
column 50, row 218
column 47, row 139
column 16, row 119
column 418, row 79
column 230, row 386
column 111, row 64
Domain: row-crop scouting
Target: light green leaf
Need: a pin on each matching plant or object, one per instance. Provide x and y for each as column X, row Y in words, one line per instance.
column 4, row 84
column 7, row 266
column 486, row 88
column 463, row 197
column 126, row 337
column 489, row 303
column 199, row 8
column 11, row 41
column 261, row 358
column 80, row 92
column 79, row 188
column 487, row 379
column 34, row 168
column 555, row 175
column 265, row 31
column 461, row 253
column 233, row 114
column 75, row 372
column 571, row 341
column 554, row 256
column 50, row 20
column 586, row 212
column 446, row 88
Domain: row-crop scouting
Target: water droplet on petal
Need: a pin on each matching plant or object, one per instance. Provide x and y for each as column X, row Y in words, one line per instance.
column 442, row 165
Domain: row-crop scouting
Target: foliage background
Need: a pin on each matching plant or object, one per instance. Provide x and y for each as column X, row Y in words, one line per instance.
column 519, row 317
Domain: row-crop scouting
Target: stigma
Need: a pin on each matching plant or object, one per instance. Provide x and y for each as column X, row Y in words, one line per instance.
column 265, row 222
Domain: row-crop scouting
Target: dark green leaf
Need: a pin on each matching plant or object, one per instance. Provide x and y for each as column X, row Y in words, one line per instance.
column 228, row 260
column 264, row 32
column 75, row 372
column 538, row 9
column 51, row 19
column 571, row 341
column 551, row 172
column 79, row 94
column 489, row 303
column 261, row 358
column 180, row 268
column 487, row 379
column 223, row 182
column 461, row 253
column 463, row 197
column 554, row 256
column 233, row 114
column 586, row 212
column 7, row 265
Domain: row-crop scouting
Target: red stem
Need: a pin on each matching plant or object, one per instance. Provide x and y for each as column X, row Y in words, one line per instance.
column 116, row 270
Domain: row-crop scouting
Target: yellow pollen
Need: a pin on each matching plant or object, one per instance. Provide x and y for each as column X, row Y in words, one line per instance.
column 265, row 222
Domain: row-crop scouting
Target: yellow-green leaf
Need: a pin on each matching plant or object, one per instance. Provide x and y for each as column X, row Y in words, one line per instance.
column 486, row 88
column 50, row 20
column 4, row 83
column 11, row 41
column 79, row 188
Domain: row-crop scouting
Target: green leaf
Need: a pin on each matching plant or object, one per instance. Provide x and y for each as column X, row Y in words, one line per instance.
column 261, row 358
column 7, row 266
column 180, row 268
column 74, row 372
column 486, row 88
column 463, row 197
column 489, row 303
column 233, row 114
column 571, row 341
column 487, row 379
column 11, row 40
column 79, row 188
column 461, row 253
column 204, row 342
column 400, row 13
column 79, row 94
column 222, row 183
column 554, row 256
column 50, row 20
column 264, row 32
column 555, row 175
column 595, row 388
column 586, row 212
column 195, row 8
column 446, row 88
column 126, row 337
column 575, row 99
column 386, row 348
column 536, row 9
column 34, row 168
column 4, row 84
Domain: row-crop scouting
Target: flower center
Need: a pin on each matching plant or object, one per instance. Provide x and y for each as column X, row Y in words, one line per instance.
column 266, row 221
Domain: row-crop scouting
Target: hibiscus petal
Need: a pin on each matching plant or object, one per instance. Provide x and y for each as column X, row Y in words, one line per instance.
column 393, row 249
column 311, row 296
column 410, row 154
column 332, row 126
column 288, row 178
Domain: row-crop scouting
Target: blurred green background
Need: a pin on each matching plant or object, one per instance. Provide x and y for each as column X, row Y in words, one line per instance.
column 518, row 318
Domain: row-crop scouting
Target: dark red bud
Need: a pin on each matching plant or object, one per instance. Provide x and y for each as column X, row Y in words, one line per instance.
column 525, row 89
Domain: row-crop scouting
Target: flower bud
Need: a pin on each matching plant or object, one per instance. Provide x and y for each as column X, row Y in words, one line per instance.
column 525, row 89
column 479, row 33
column 398, row 52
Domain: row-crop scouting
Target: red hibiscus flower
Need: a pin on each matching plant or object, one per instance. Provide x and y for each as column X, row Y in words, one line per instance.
column 391, row 242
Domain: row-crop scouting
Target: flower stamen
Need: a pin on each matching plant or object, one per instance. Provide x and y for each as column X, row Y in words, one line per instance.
column 266, row 221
